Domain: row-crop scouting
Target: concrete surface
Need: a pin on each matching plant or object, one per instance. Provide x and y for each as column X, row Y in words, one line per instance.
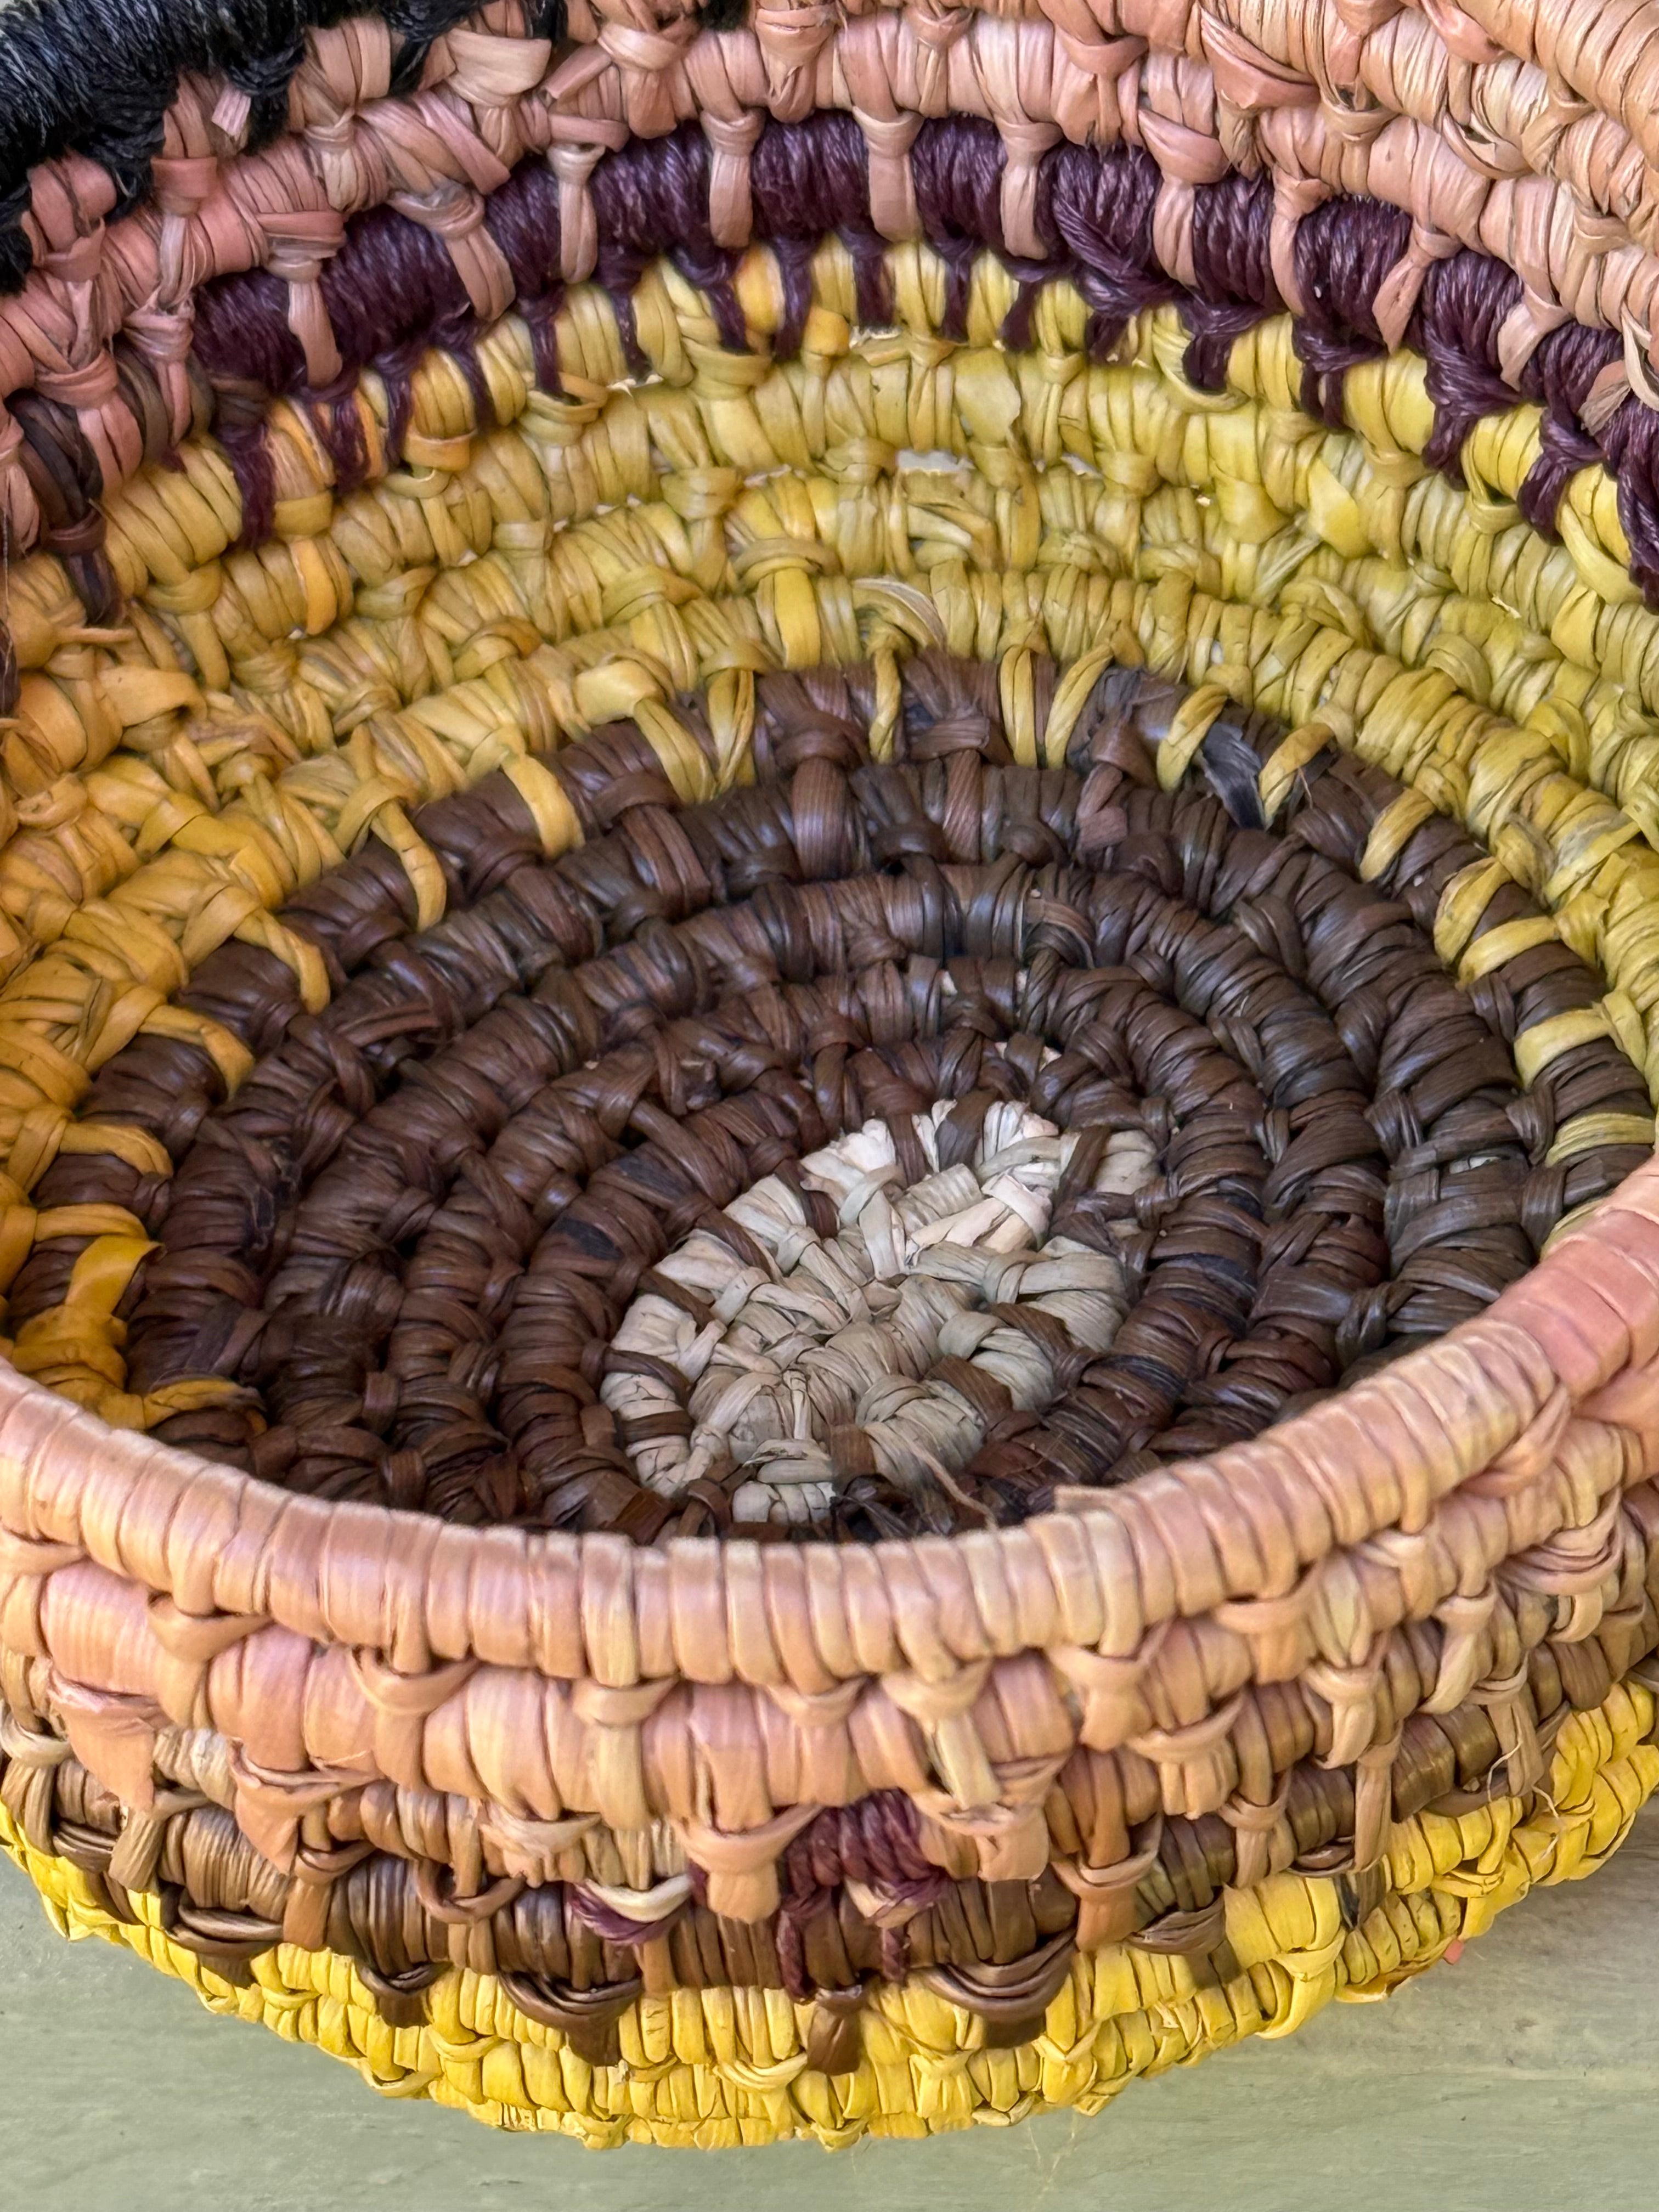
column 1523, row 2077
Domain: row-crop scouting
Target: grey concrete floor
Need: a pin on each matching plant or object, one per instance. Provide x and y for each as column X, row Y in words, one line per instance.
column 1523, row 2077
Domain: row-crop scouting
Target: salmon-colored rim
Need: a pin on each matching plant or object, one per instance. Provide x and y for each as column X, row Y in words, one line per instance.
column 1267, row 1534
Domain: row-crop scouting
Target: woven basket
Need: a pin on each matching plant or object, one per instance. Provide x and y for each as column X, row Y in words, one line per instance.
column 829, row 943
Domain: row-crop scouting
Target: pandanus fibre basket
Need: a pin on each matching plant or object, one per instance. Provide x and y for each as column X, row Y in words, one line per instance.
column 830, row 925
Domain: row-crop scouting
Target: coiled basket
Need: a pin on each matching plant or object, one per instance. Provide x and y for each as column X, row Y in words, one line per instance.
column 830, row 933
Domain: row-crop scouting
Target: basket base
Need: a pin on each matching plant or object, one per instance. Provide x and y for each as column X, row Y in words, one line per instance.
column 715, row 2068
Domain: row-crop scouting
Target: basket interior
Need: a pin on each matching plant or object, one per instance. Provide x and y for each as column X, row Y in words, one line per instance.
column 1026, row 905
column 868, row 1149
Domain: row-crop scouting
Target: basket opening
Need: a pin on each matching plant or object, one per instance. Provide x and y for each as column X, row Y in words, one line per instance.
column 869, row 1149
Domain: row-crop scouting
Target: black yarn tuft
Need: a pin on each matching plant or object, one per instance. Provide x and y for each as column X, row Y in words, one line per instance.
column 13, row 244
column 417, row 23
column 265, row 80
column 97, row 76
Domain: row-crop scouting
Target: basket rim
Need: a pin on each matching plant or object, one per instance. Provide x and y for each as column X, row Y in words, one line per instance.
column 1239, row 1530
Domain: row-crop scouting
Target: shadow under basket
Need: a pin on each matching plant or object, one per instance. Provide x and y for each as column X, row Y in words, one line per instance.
column 829, row 936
